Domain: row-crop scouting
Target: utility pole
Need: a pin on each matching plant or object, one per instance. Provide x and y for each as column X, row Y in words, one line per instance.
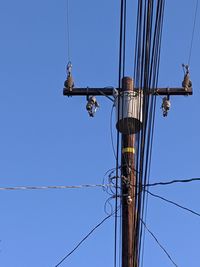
column 129, row 121
column 128, row 180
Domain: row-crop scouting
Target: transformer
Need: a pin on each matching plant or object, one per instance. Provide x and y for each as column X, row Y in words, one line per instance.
column 128, row 111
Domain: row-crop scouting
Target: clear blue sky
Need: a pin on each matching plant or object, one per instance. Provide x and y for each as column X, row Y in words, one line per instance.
column 47, row 139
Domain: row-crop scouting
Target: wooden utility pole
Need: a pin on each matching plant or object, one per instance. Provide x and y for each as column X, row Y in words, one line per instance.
column 126, row 100
column 128, row 180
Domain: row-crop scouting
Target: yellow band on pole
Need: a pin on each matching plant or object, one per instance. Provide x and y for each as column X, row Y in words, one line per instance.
column 128, row 150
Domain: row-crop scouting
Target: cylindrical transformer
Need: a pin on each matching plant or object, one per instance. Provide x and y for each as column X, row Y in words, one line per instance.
column 128, row 108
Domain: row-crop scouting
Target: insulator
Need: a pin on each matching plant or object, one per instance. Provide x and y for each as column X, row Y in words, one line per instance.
column 69, row 83
column 92, row 106
column 166, row 106
column 186, row 82
column 69, row 67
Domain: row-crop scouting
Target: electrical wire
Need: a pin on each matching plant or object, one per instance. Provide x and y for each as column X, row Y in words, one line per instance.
column 102, row 93
column 86, row 237
column 147, row 56
column 174, row 181
column 159, row 244
column 111, row 132
column 168, row 182
column 120, row 72
column 193, row 31
column 68, row 33
column 173, row 203
column 55, row 187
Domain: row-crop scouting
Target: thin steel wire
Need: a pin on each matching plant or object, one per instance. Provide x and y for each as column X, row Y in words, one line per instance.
column 193, row 32
column 55, row 187
column 68, row 33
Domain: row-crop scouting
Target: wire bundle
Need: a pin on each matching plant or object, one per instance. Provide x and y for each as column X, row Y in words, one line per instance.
column 150, row 15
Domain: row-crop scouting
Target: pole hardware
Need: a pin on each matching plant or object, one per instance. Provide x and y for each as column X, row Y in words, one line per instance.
column 92, row 105
column 87, row 91
column 129, row 200
column 187, row 84
column 69, row 83
column 165, row 105
column 128, row 102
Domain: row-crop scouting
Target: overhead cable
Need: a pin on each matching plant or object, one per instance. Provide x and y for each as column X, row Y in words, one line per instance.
column 147, row 57
column 68, row 32
column 78, row 245
column 174, row 181
column 173, row 203
column 193, row 31
column 121, row 70
column 55, row 187
column 159, row 244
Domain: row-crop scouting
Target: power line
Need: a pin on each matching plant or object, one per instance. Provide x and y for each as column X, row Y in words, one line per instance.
column 174, row 203
column 78, row 245
column 121, row 69
column 68, row 32
column 55, row 187
column 111, row 131
column 193, row 31
column 174, row 181
column 159, row 244
column 147, row 57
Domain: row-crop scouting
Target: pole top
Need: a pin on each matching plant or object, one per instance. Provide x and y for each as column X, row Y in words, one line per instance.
column 127, row 84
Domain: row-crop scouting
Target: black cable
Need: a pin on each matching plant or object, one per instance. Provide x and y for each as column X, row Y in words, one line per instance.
column 124, row 39
column 102, row 93
column 111, row 132
column 78, row 245
column 174, row 181
column 155, row 61
column 159, row 244
column 118, row 134
column 173, row 203
column 147, row 56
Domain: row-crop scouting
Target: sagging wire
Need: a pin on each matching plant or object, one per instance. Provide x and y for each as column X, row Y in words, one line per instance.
column 111, row 131
column 110, row 176
column 173, row 203
column 107, row 187
column 159, row 244
column 84, row 239
column 173, row 182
